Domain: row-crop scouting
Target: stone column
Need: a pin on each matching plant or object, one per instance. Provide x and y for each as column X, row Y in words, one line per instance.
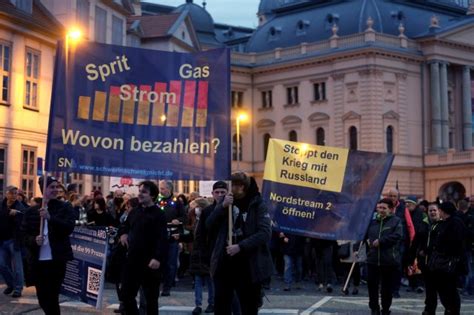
column 444, row 106
column 466, row 108
column 435, row 107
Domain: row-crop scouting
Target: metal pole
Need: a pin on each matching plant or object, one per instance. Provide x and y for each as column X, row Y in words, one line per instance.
column 237, row 122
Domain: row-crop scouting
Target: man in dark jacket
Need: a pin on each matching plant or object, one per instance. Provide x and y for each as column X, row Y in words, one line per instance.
column 383, row 255
column 445, row 263
column 175, row 217
column 49, row 249
column 11, row 262
column 244, row 264
column 468, row 220
column 144, row 234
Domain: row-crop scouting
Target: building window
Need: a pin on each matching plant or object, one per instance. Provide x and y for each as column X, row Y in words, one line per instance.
column 293, row 136
column 267, row 99
column 5, row 59
column 100, row 26
column 389, row 139
column 353, row 138
column 319, row 91
column 25, row 5
column 28, row 171
column 237, row 99
column 32, row 67
column 3, row 170
column 234, row 147
column 96, row 182
column 97, row 179
column 78, row 179
column 185, row 187
column 292, row 95
column 472, row 103
column 266, row 140
column 82, row 15
column 320, row 136
column 117, row 30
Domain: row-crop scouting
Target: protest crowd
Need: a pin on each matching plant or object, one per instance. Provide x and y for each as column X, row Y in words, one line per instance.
column 160, row 236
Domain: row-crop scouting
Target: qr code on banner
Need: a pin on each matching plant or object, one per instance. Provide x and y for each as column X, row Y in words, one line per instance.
column 93, row 280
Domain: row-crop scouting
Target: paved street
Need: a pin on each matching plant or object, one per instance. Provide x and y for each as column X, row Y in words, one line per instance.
column 305, row 301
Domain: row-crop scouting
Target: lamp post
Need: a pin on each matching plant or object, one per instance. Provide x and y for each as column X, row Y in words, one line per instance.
column 240, row 117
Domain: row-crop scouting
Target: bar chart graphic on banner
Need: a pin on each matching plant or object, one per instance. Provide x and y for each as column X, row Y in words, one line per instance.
column 147, row 105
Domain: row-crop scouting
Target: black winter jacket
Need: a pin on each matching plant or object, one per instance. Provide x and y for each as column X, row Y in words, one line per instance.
column 60, row 226
column 147, row 235
column 389, row 233
column 10, row 225
column 254, row 241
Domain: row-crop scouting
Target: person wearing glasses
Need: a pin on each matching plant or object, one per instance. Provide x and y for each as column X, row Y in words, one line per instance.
column 383, row 256
column 400, row 209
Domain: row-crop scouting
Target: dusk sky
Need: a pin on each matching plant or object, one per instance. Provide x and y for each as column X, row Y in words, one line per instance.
column 234, row 12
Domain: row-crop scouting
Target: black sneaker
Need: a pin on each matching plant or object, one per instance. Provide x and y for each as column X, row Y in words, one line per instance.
column 165, row 293
column 355, row 291
column 329, row 288
column 209, row 309
column 16, row 294
column 197, row 310
column 8, row 290
column 396, row 295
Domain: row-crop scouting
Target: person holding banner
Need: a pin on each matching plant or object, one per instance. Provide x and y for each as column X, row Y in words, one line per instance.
column 49, row 248
column 144, row 234
column 383, row 255
column 243, row 265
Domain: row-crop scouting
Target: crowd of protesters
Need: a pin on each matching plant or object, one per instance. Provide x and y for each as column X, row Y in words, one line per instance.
column 160, row 236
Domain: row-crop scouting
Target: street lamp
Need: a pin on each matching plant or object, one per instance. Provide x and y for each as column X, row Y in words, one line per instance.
column 240, row 117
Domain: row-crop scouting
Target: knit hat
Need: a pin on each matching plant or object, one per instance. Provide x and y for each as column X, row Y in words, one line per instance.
column 411, row 199
column 448, row 207
column 220, row 184
column 49, row 181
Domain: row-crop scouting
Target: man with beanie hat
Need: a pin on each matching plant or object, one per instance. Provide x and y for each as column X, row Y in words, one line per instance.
column 445, row 263
column 243, row 265
column 49, row 249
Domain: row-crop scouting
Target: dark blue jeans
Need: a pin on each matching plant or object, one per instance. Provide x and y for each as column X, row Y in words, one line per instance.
column 11, row 265
column 172, row 266
column 199, row 282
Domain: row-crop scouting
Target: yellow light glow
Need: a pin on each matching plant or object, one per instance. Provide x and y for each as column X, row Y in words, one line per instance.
column 74, row 35
column 163, row 118
column 242, row 117
column 304, row 148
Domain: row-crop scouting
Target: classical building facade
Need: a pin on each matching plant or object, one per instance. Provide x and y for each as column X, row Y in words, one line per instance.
column 28, row 35
column 382, row 76
column 386, row 76
column 29, row 31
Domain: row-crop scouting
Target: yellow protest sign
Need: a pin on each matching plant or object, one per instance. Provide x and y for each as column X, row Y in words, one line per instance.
column 306, row 165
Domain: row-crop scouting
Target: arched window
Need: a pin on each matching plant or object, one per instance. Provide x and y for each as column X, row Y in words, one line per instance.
column 389, row 139
column 320, row 136
column 266, row 139
column 234, row 147
column 293, row 136
column 353, row 138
